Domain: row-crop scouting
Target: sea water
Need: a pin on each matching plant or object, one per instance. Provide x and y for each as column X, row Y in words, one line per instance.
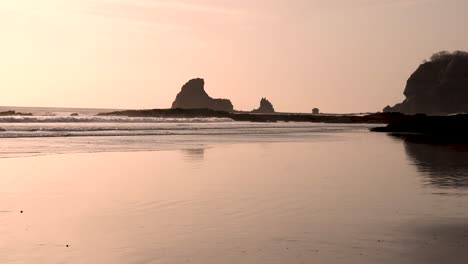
column 54, row 131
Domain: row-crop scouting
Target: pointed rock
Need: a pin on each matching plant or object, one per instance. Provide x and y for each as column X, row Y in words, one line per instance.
column 265, row 107
column 194, row 96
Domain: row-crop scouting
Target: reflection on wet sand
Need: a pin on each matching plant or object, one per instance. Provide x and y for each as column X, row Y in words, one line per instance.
column 445, row 166
column 440, row 241
column 194, row 155
column 283, row 202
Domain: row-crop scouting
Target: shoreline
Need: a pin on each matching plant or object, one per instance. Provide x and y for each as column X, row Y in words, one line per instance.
column 377, row 118
column 441, row 129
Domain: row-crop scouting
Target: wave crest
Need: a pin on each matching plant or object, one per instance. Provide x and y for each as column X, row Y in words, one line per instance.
column 107, row 119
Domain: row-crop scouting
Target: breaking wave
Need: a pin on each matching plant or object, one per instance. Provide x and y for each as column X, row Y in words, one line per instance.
column 106, row 119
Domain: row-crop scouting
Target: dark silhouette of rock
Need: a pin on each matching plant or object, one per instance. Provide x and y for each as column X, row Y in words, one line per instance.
column 265, row 107
column 14, row 113
column 315, row 111
column 379, row 118
column 75, row 114
column 440, row 129
column 438, row 87
column 193, row 96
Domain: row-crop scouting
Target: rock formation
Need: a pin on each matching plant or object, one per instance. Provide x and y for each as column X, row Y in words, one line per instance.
column 315, row 111
column 451, row 129
column 265, row 107
column 193, row 96
column 438, row 87
column 14, row 113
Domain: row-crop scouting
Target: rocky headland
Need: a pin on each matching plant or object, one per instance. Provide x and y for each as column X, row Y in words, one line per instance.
column 194, row 96
column 438, row 87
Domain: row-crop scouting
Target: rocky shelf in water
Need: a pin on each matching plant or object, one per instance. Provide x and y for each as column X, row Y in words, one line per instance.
column 14, row 113
column 378, row 118
column 438, row 129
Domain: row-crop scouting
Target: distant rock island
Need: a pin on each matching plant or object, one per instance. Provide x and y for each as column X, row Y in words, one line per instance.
column 194, row 96
column 14, row 113
column 265, row 107
column 438, row 87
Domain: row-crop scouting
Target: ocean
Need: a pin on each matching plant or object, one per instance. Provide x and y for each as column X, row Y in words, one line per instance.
column 55, row 131
column 89, row 189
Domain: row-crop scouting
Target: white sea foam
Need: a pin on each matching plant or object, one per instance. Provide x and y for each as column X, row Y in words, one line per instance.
column 36, row 130
column 58, row 132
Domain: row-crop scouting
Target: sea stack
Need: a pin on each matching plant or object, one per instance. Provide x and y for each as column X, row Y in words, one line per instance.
column 265, row 107
column 194, row 96
column 438, row 87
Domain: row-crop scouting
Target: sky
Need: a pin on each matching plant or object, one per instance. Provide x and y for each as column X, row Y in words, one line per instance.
column 341, row 56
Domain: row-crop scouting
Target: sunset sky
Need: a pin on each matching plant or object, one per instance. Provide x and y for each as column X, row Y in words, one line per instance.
column 338, row 55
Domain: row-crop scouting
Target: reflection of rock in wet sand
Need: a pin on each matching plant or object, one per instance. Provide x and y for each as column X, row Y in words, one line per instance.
column 194, row 155
column 445, row 165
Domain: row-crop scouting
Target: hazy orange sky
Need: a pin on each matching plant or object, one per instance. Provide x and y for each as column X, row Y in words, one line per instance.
column 338, row 55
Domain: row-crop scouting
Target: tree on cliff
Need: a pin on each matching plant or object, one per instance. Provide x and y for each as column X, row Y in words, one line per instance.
column 447, row 55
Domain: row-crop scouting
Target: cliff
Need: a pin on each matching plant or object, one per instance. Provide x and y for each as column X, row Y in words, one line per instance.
column 194, row 96
column 437, row 87
column 265, row 107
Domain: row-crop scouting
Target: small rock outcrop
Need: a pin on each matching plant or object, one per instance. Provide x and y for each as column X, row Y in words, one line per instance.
column 315, row 111
column 14, row 113
column 438, row 87
column 194, row 96
column 265, row 107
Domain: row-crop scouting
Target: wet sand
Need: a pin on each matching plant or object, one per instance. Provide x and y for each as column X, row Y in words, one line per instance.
column 359, row 198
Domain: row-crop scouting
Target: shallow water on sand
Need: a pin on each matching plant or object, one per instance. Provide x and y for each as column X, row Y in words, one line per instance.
column 352, row 197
